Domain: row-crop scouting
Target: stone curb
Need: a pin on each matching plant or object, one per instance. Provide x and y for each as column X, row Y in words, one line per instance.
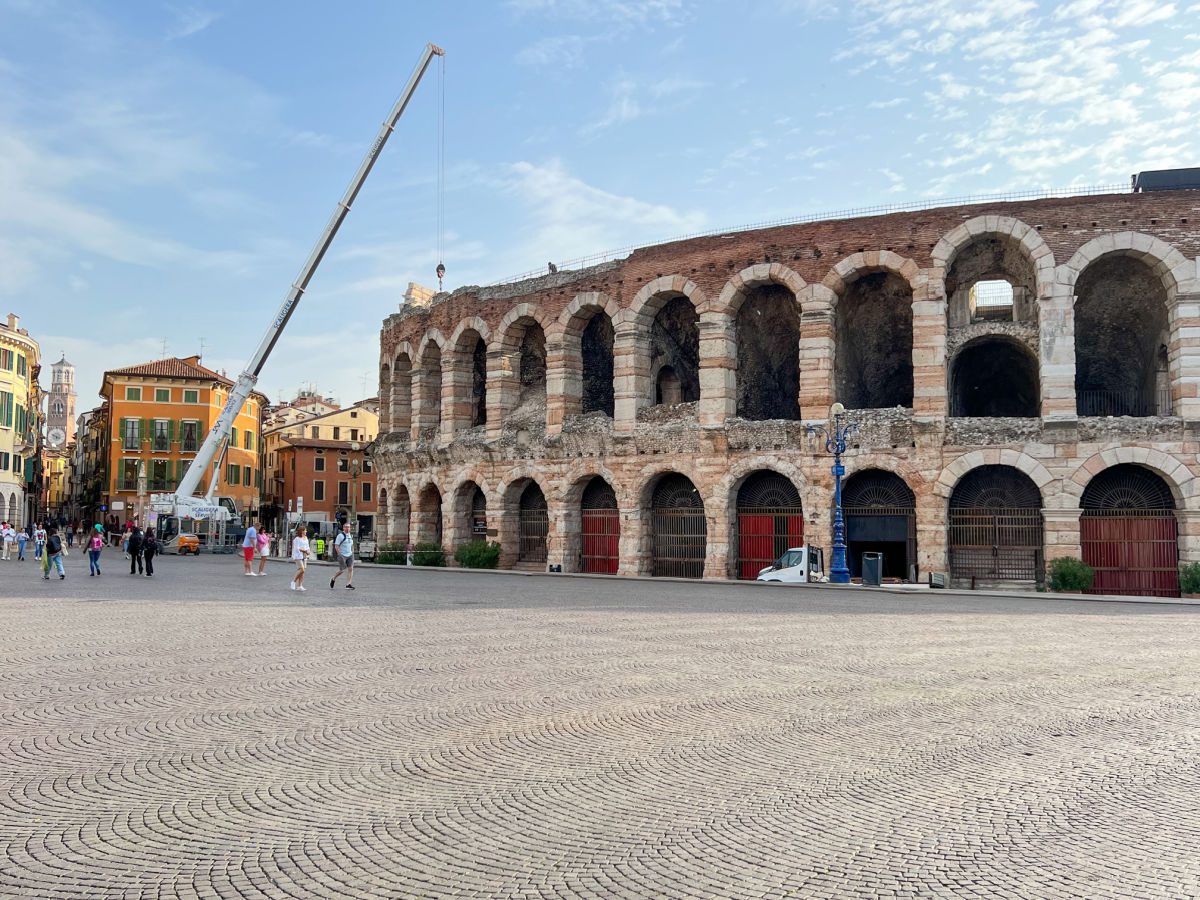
column 754, row 585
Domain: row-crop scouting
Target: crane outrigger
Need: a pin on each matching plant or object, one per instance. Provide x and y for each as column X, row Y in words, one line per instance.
column 183, row 503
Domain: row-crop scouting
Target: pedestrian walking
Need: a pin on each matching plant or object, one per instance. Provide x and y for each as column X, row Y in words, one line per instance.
column 264, row 547
column 343, row 549
column 9, row 536
column 39, row 540
column 70, row 537
column 300, row 555
column 125, row 540
column 149, row 551
column 134, row 550
column 54, row 555
column 249, row 545
column 22, row 540
column 95, row 547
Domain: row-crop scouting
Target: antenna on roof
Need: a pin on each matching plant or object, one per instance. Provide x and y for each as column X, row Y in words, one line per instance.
column 202, row 348
column 164, row 348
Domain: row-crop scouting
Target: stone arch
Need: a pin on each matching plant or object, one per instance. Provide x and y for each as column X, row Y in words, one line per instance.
column 429, row 393
column 761, row 527
column 582, row 354
column 1178, row 477
column 592, row 522
column 401, row 390
column 988, row 248
column 677, row 526
column 994, row 375
column 954, row 471
column 1167, row 263
column 517, row 361
column 466, row 371
column 385, row 398
column 733, row 294
column 873, row 296
column 524, row 518
column 400, row 520
column 470, row 509
column 660, row 329
column 650, row 298
column 428, row 515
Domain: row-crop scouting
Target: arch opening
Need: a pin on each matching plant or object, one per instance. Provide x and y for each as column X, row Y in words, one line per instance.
column 770, row 521
column 678, row 528
column 1129, row 534
column 471, row 512
column 533, row 524
column 596, row 352
column 401, row 518
column 881, row 517
column 1121, row 339
column 385, row 399
column 675, row 345
column 402, row 395
column 873, row 362
column 768, row 355
column 994, row 376
column 430, row 413
column 972, row 291
column 429, row 516
column 478, row 408
column 996, row 530
column 532, row 365
column 601, row 528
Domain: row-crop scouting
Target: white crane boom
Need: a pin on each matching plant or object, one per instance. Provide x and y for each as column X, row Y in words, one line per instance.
column 183, row 502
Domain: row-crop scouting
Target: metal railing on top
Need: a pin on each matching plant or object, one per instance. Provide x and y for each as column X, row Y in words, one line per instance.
column 854, row 213
column 1132, row 402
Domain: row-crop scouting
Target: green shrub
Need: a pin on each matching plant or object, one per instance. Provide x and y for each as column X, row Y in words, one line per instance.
column 391, row 554
column 426, row 554
column 1189, row 578
column 478, row 555
column 1069, row 574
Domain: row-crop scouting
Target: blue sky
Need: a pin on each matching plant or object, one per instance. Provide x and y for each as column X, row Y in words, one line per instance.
column 165, row 167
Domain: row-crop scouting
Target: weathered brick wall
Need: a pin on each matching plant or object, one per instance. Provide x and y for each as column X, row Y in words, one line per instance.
column 1048, row 243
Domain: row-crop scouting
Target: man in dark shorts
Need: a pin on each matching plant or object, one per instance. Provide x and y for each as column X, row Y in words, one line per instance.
column 343, row 549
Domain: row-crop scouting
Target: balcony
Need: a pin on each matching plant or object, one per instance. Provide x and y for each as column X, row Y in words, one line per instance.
column 1125, row 403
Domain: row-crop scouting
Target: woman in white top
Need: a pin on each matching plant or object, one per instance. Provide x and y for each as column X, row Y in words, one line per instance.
column 300, row 553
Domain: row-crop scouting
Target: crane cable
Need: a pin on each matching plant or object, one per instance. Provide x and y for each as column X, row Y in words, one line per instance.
column 441, row 173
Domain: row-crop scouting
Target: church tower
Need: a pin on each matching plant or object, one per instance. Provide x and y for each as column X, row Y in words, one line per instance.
column 60, row 409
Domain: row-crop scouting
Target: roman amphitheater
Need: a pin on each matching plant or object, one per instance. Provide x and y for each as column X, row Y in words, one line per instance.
column 1025, row 377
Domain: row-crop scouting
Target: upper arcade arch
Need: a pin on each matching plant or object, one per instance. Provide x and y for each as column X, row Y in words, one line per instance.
column 582, row 354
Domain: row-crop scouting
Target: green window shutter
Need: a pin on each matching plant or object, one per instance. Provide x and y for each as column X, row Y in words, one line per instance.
column 170, row 431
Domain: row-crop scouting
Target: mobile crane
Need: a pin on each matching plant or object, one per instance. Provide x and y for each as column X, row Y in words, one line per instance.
column 183, row 503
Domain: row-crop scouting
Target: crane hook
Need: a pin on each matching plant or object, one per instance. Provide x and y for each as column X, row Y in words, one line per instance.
column 441, row 271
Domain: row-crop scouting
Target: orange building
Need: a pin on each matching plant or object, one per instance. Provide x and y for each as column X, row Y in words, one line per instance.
column 159, row 415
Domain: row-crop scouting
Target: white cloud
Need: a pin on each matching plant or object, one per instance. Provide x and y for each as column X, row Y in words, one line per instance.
column 190, row 20
column 623, row 12
column 560, row 52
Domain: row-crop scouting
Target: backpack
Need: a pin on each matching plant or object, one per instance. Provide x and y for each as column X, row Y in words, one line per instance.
column 54, row 544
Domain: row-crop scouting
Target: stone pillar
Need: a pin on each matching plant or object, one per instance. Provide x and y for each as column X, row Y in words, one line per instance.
column 428, row 413
column 1189, row 534
column 456, row 394
column 631, row 375
column 635, row 542
column 817, row 348
column 385, row 399
column 1056, row 331
column 401, row 399
column 556, row 538
column 929, row 345
column 567, row 519
column 932, row 526
column 564, row 383
column 508, row 528
column 1183, row 318
column 1061, row 533
column 503, row 388
column 718, row 369
column 456, row 527
column 716, row 562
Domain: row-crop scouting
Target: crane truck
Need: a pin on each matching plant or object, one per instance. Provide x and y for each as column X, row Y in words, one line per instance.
column 179, row 511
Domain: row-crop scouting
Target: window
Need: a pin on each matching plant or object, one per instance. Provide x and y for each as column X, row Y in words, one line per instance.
column 366, row 492
column 22, row 365
column 319, row 464
column 191, row 396
column 343, row 492
column 233, row 437
column 4, row 458
column 247, row 478
column 366, row 464
column 343, row 464
column 232, row 473
column 318, row 490
column 160, row 472
column 6, row 359
column 6, row 409
column 162, row 435
column 337, row 433
column 189, row 436
column 181, row 467
column 248, row 440
column 162, row 395
column 316, row 433
column 132, row 393
column 129, row 475
column 354, row 414
column 131, row 434
column 354, row 434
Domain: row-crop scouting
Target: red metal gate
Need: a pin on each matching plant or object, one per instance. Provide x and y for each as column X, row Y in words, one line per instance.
column 1134, row 551
column 764, row 535
column 601, row 541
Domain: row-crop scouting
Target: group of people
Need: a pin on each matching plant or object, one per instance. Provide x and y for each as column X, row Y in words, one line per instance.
column 257, row 542
column 140, row 548
column 51, row 544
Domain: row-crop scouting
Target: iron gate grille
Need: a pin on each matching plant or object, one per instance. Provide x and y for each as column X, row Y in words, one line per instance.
column 764, row 535
column 996, row 543
column 1134, row 551
column 680, row 543
column 910, row 527
column 532, row 527
column 601, row 541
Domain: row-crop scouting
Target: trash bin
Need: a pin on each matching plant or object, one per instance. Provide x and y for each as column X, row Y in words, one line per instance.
column 872, row 569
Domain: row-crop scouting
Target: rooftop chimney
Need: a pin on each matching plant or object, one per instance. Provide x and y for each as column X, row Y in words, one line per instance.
column 13, row 321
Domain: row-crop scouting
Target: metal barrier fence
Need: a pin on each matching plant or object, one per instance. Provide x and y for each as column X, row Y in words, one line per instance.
column 533, row 525
column 1134, row 551
column 601, row 541
column 1125, row 403
column 680, row 543
column 999, row 544
column 764, row 535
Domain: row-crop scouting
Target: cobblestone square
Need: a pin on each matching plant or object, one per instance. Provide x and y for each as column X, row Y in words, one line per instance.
column 204, row 735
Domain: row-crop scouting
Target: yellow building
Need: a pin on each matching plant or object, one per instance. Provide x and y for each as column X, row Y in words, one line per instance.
column 20, row 422
column 158, row 415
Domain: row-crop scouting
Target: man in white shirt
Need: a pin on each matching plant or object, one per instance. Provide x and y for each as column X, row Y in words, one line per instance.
column 248, row 545
column 9, row 535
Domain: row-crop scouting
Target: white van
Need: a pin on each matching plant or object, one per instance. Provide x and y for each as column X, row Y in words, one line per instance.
column 800, row 564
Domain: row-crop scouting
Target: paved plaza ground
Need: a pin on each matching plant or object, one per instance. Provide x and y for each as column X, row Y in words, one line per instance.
column 202, row 734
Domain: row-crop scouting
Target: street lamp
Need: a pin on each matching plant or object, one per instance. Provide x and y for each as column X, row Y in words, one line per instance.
column 355, row 467
column 835, row 434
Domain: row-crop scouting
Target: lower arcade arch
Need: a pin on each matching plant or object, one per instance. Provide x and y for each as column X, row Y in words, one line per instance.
column 770, row 521
column 428, row 519
column 678, row 528
column 881, row 517
column 600, row 527
column 996, row 528
column 533, row 524
column 1129, row 534
column 470, row 512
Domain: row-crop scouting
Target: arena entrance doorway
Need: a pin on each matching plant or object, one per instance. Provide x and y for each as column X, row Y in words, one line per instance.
column 881, row 517
column 996, row 531
column 601, row 520
column 770, row 521
column 1129, row 534
column 678, row 529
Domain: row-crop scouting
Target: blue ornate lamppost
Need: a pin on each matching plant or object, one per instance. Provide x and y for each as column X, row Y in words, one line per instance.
column 835, row 434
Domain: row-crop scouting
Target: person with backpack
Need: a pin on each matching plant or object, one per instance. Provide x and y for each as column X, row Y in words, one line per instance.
column 149, row 550
column 134, row 549
column 94, row 548
column 343, row 549
column 54, row 555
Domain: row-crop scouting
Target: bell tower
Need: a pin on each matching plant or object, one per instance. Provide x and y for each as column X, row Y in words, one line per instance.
column 60, row 408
